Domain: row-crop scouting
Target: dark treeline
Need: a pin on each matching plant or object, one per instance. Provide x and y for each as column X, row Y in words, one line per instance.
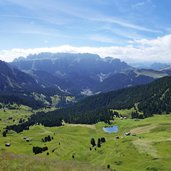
column 151, row 99
column 69, row 115
column 20, row 99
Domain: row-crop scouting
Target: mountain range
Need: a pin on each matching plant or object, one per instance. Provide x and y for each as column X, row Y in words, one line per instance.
column 84, row 74
column 61, row 79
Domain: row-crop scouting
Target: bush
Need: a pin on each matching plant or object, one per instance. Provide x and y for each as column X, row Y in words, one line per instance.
column 93, row 143
column 4, row 133
column 103, row 140
column 108, row 166
column 99, row 143
column 37, row 150
column 47, row 139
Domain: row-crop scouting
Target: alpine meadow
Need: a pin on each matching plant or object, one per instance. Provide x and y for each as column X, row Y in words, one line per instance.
column 85, row 85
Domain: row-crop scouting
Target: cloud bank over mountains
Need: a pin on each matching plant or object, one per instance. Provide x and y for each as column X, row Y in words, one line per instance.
column 142, row 50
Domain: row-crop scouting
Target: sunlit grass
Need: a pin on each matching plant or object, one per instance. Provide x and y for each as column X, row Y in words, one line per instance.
column 149, row 149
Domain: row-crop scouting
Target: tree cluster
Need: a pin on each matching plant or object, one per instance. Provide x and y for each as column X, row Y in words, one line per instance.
column 4, row 133
column 99, row 142
column 37, row 150
column 47, row 139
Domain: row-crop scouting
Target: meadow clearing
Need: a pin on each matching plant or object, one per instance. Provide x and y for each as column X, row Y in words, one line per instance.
column 147, row 148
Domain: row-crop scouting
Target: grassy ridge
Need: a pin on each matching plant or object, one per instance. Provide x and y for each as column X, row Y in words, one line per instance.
column 148, row 150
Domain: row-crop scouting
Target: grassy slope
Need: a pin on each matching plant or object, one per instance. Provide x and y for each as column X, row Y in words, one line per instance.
column 151, row 73
column 148, row 150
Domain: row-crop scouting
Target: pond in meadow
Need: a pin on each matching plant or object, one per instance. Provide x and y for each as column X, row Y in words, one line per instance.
column 110, row 129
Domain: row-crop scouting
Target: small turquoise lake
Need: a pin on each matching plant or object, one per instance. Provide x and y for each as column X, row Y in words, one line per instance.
column 111, row 129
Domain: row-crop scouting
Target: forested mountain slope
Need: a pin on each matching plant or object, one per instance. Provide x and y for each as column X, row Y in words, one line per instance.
column 21, row 88
column 147, row 99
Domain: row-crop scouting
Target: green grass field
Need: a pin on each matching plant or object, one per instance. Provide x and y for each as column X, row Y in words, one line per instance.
column 148, row 148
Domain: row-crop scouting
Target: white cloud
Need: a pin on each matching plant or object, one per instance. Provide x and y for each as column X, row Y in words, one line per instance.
column 162, row 42
column 143, row 50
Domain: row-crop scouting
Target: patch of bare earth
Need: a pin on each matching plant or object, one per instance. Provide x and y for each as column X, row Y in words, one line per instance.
column 143, row 129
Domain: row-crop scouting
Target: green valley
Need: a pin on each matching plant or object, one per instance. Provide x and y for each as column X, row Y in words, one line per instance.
column 146, row 148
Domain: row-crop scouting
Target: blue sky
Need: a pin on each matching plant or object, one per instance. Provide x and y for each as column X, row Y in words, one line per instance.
column 73, row 25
